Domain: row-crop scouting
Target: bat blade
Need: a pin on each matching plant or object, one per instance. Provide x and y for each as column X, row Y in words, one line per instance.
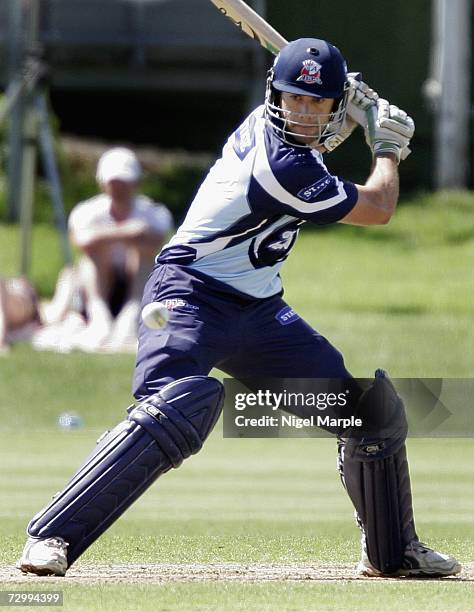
column 251, row 23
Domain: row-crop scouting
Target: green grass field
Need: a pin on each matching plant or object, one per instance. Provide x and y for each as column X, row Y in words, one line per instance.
column 398, row 297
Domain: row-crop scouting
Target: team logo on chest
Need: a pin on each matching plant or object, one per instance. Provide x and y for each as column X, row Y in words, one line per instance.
column 310, row 73
column 273, row 247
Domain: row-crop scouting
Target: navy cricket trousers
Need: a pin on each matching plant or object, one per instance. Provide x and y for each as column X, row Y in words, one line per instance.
column 213, row 325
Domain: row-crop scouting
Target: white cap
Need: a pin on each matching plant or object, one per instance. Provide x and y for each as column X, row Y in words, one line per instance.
column 120, row 164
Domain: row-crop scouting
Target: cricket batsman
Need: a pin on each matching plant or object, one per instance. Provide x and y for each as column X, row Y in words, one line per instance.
column 219, row 277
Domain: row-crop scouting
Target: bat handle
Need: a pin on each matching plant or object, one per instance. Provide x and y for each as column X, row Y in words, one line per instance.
column 371, row 120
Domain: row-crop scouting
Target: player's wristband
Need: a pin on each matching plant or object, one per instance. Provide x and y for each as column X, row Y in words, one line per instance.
column 385, row 148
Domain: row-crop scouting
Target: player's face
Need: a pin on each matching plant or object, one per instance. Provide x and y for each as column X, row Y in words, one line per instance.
column 306, row 116
column 120, row 190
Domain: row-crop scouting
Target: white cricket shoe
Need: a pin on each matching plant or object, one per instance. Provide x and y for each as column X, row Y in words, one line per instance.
column 419, row 561
column 44, row 557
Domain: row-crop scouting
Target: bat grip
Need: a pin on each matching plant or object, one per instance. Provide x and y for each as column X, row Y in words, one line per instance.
column 371, row 121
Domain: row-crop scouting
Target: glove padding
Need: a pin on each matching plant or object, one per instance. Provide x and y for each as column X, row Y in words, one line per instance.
column 360, row 97
column 389, row 129
column 363, row 98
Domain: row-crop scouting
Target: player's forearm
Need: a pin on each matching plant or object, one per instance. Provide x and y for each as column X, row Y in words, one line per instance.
column 93, row 239
column 129, row 230
column 381, row 189
column 384, row 182
column 149, row 244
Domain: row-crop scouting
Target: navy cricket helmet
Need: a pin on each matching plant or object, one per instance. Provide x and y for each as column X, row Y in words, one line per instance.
column 308, row 67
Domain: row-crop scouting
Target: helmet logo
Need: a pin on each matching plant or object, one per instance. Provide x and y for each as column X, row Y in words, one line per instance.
column 310, row 73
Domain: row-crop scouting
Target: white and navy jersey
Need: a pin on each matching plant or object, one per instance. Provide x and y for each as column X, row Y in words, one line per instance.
column 246, row 215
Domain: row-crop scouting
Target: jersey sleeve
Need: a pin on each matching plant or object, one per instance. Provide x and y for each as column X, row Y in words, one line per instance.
column 294, row 181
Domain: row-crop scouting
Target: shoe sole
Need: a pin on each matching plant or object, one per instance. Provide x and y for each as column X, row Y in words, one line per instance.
column 427, row 573
column 26, row 568
column 413, row 573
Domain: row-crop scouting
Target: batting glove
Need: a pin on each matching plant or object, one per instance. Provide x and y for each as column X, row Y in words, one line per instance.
column 363, row 98
column 360, row 97
column 389, row 130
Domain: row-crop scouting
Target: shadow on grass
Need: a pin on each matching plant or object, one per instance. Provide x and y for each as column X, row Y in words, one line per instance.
column 389, row 309
column 460, row 237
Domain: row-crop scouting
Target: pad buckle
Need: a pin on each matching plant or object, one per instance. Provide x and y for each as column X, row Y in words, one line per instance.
column 371, row 449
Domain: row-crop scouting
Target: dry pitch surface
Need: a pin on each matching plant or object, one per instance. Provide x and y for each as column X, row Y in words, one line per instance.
column 160, row 573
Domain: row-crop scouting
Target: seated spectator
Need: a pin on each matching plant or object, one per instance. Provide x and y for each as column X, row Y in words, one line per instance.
column 19, row 312
column 118, row 233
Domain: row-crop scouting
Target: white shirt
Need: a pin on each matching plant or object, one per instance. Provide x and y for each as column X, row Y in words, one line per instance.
column 94, row 214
